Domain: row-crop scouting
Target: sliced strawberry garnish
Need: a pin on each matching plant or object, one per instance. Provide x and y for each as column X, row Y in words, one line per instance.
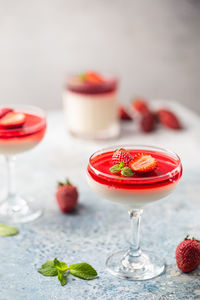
column 121, row 155
column 13, row 120
column 123, row 114
column 93, row 77
column 4, row 111
column 143, row 163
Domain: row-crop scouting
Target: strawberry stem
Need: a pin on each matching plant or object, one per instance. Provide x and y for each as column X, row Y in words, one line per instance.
column 68, row 182
column 193, row 238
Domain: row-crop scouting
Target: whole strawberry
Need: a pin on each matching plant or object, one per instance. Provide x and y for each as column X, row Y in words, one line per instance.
column 123, row 114
column 147, row 122
column 67, row 196
column 121, row 155
column 188, row 254
column 140, row 105
column 169, row 119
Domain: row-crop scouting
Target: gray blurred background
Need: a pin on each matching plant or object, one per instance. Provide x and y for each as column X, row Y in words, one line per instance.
column 152, row 45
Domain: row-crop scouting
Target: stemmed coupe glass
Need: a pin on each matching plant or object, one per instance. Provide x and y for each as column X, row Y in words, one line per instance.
column 134, row 193
column 15, row 138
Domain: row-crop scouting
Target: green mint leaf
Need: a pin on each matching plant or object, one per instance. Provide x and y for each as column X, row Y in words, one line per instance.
column 48, row 269
column 62, row 278
column 60, row 265
column 83, row 270
column 121, row 165
column 126, row 171
column 115, row 169
column 6, row 230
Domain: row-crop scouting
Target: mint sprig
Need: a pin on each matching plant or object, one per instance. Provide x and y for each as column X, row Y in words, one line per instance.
column 119, row 168
column 6, row 230
column 61, row 269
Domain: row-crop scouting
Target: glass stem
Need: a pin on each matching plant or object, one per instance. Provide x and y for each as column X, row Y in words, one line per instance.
column 11, row 191
column 135, row 218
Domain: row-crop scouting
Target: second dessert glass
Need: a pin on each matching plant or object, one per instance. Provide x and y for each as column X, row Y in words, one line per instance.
column 90, row 105
column 134, row 193
column 16, row 138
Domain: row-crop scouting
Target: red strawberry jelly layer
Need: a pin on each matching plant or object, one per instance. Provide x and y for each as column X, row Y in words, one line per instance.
column 77, row 86
column 33, row 128
column 167, row 172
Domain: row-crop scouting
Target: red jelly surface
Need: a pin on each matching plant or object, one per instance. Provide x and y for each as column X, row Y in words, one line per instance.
column 33, row 128
column 77, row 86
column 168, row 171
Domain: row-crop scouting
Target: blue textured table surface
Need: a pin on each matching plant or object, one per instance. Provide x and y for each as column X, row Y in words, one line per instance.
column 98, row 227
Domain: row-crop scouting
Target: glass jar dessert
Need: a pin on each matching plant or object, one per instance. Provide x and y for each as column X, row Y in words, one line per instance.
column 90, row 106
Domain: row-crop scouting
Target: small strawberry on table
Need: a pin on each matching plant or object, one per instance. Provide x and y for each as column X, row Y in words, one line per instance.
column 67, row 196
column 188, row 254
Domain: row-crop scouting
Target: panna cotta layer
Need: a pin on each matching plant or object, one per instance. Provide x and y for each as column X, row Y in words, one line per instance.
column 91, row 114
column 135, row 198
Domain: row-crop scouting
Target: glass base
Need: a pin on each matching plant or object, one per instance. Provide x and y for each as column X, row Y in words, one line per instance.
column 17, row 210
column 142, row 267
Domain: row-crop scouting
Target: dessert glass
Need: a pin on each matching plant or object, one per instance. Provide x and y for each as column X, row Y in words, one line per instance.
column 134, row 193
column 14, row 208
column 91, row 108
